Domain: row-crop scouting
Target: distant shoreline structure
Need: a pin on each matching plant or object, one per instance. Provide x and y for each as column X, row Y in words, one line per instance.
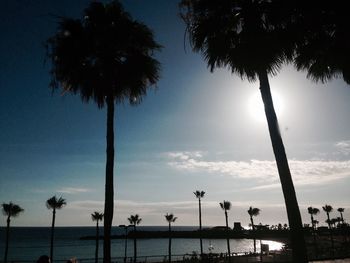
column 208, row 233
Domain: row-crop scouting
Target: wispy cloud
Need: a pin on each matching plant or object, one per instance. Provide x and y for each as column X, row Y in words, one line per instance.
column 264, row 172
column 343, row 147
column 72, row 190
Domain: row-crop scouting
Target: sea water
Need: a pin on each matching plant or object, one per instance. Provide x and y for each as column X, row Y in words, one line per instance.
column 28, row 243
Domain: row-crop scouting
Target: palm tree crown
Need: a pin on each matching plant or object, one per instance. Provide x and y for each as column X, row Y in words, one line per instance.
column 96, row 216
column 11, row 209
column 327, row 208
column 313, row 210
column 253, row 211
column 170, row 218
column 135, row 219
column 323, row 40
column 54, row 203
column 251, row 35
column 106, row 52
column 225, row 205
column 199, row 194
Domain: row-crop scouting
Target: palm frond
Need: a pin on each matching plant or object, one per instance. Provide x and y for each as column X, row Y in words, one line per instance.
column 104, row 53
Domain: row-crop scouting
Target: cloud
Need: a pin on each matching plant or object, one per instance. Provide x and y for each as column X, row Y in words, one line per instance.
column 304, row 172
column 343, row 147
column 72, row 190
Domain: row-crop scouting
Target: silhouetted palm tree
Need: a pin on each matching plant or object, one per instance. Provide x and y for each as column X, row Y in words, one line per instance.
column 226, row 205
column 9, row 210
column 96, row 216
column 253, row 212
column 170, row 218
column 323, row 44
column 199, row 195
column 328, row 209
column 106, row 57
column 341, row 211
column 54, row 204
column 313, row 211
column 249, row 37
column 135, row 220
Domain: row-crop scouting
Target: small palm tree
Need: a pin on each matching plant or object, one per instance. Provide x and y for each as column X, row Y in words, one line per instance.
column 170, row 218
column 54, row 204
column 328, row 209
column 199, row 195
column 96, row 216
column 226, row 205
column 341, row 211
column 253, row 212
column 105, row 57
column 135, row 220
column 313, row 211
column 9, row 210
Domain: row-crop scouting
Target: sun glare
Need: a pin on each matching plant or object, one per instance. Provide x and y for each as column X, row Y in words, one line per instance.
column 256, row 106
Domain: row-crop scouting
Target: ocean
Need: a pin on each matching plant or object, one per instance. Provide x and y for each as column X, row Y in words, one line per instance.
column 28, row 243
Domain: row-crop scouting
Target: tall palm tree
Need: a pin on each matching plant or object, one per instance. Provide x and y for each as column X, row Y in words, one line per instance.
column 135, row 220
column 226, row 205
column 253, row 212
column 96, row 216
column 107, row 58
column 54, row 203
column 328, row 209
column 323, row 40
column 9, row 210
column 250, row 38
column 341, row 211
column 170, row 218
column 199, row 195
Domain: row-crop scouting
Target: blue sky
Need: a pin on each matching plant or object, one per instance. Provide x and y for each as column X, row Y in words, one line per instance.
column 195, row 131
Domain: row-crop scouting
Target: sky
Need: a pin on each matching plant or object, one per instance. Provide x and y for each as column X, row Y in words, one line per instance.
column 195, row 131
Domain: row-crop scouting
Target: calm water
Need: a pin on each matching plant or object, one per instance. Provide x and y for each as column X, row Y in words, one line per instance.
column 28, row 243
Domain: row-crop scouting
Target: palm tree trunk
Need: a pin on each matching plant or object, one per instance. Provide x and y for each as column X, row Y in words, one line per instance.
column 293, row 212
column 253, row 229
column 52, row 233
column 135, row 244
column 169, row 248
column 314, row 235
column 331, row 233
column 109, row 188
column 200, row 227
column 97, row 239
column 228, row 238
column 7, row 238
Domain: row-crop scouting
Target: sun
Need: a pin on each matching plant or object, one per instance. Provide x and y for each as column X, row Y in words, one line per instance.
column 256, row 106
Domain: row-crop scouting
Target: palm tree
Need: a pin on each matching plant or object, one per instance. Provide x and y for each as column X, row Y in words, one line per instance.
column 96, row 216
column 328, row 209
column 9, row 210
column 250, row 38
column 106, row 57
column 199, row 195
column 226, row 205
column 253, row 212
column 54, row 204
column 323, row 42
column 171, row 219
column 341, row 211
column 313, row 211
column 135, row 220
